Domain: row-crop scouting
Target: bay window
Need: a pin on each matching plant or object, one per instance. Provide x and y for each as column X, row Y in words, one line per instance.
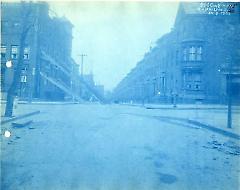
column 192, row 53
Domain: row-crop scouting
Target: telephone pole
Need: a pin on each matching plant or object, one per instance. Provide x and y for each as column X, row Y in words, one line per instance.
column 82, row 56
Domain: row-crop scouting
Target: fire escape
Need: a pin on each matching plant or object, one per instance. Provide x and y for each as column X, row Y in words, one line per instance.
column 63, row 86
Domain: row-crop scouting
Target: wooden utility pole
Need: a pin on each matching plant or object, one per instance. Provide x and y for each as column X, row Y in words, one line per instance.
column 82, row 56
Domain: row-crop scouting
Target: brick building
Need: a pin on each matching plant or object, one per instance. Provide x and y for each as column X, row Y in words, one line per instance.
column 48, row 71
column 193, row 61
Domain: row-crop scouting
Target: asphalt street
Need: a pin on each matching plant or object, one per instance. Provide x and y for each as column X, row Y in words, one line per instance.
column 115, row 147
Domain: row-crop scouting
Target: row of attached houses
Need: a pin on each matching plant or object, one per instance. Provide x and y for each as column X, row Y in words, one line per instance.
column 193, row 62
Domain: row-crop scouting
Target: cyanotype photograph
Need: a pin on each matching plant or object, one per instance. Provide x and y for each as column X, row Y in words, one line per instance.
column 120, row 95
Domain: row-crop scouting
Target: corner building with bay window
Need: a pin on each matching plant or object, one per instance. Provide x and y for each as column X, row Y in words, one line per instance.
column 193, row 61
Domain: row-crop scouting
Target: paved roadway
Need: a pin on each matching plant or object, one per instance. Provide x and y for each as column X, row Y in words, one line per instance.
column 114, row 147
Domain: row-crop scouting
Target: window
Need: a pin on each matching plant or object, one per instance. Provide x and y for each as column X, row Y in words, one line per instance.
column 14, row 52
column 199, row 53
column 192, row 81
column 26, row 53
column 185, row 54
column 196, row 77
column 192, row 53
column 23, row 78
column 162, row 83
column 3, row 51
column 24, row 70
column 188, row 86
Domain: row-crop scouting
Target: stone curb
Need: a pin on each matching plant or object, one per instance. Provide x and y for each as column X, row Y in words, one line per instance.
column 47, row 103
column 19, row 117
column 202, row 125
column 43, row 103
column 170, row 107
column 192, row 108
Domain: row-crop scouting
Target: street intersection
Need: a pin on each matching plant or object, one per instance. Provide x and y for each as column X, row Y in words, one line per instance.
column 110, row 147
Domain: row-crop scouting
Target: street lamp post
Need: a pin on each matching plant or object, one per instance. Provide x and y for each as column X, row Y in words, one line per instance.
column 228, row 72
column 229, row 84
column 154, row 87
column 229, row 87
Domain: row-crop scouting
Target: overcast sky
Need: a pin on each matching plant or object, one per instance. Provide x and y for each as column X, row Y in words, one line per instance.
column 115, row 35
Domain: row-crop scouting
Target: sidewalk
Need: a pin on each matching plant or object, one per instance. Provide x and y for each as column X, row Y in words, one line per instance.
column 19, row 112
column 219, row 120
column 25, row 108
column 43, row 102
column 212, row 115
column 10, row 119
column 184, row 106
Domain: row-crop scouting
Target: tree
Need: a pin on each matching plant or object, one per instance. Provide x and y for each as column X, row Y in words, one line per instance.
column 26, row 10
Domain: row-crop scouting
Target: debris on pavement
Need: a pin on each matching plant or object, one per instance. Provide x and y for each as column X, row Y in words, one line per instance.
column 21, row 125
column 228, row 147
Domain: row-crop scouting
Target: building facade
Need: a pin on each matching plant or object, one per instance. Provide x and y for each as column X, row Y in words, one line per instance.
column 189, row 63
column 48, row 71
